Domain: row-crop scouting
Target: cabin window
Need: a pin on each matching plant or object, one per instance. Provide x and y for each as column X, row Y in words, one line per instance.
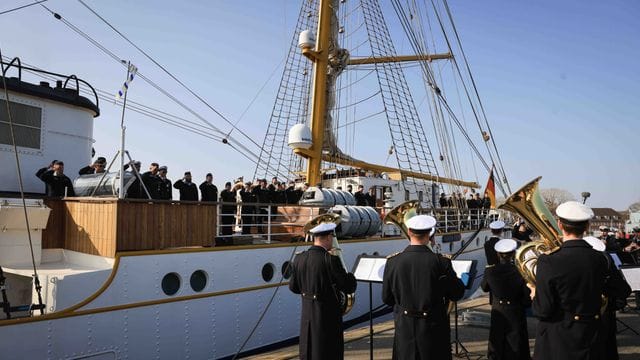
column 406, row 195
column 420, row 196
column 27, row 122
column 171, row 283
column 268, row 270
column 198, row 280
column 286, row 270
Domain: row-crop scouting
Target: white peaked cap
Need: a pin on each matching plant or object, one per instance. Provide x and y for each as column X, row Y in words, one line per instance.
column 595, row 243
column 506, row 246
column 324, row 227
column 433, row 231
column 574, row 211
column 496, row 225
column 602, row 227
column 421, row 222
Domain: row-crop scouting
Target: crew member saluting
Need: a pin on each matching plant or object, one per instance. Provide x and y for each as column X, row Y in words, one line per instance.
column 316, row 276
column 568, row 295
column 489, row 246
column 417, row 282
column 508, row 336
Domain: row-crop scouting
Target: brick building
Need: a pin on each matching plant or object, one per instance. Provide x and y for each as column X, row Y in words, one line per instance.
column 606, row 217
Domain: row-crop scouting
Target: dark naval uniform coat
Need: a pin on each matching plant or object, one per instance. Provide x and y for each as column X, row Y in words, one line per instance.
column 315, row 273
column 510, row 296
column 569, row 287
column 418, row 283
column 490, row 252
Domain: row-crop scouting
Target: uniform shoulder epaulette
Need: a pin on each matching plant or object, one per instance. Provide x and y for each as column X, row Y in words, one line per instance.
column 392, row 255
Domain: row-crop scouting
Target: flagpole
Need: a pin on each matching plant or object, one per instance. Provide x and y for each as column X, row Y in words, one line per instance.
column 122, row 135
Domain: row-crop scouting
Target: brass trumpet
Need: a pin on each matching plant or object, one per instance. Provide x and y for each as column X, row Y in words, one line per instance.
column 345, row 300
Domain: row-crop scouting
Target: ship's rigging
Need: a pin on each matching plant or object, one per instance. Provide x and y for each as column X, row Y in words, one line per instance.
column 359, row 25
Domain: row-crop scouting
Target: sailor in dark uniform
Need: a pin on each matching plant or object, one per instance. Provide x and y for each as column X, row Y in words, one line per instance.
column 208, row 191
column 188, row 190
column 316, row 275
column 248, row 210
column 361, row 197
column 165, row 192
column 510, row 296
column 567, row 298
column 489, row 246
column 418, row 283
column 609, row 329
column 227, row 210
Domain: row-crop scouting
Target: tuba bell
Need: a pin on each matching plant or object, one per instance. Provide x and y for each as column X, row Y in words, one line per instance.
column 345, row 300
column 529, row 204
column 399, row 215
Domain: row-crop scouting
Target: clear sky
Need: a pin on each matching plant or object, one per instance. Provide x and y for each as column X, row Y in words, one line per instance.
column 559, row 79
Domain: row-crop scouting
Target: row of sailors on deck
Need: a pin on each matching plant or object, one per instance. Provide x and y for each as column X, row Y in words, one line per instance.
column 155, row 182
column 418, row 283
column 475, row 201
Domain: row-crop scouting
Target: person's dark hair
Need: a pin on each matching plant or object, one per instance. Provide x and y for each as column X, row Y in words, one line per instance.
column 506, row 258
column 496, row 231
column 574, row 228
column 228, row 183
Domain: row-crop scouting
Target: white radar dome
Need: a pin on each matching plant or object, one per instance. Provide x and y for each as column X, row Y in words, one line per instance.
column 300, row 137
column 306, row 40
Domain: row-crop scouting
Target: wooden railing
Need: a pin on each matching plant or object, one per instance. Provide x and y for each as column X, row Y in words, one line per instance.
column 105, row 226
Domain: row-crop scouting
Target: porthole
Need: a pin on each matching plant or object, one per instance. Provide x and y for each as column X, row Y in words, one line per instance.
column 375, row 253
column 198, row 280
column 286, row 270
column 171, row 283
column 267, row 272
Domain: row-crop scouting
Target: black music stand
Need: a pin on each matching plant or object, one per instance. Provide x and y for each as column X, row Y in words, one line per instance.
column 465, row 271
column 631, row 273
column 369, row 269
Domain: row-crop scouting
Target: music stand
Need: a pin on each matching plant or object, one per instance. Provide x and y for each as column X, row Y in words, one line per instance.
column 465, row 270
column 631, row 273
column 369, row 269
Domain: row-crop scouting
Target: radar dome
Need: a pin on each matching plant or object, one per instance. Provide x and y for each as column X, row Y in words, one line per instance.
column 300, row 137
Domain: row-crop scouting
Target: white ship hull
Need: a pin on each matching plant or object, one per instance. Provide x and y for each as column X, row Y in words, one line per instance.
column 130, row 316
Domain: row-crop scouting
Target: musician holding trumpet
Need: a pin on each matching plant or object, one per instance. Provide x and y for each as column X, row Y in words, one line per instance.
column 567, row 297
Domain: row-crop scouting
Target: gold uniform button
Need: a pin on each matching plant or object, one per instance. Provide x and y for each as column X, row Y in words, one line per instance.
column 597, row 317
column 424, row 314
column 576, row 317
column 314, row 297
column 405, row 312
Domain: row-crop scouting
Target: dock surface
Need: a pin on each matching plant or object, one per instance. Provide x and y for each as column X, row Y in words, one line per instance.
column 473, row 335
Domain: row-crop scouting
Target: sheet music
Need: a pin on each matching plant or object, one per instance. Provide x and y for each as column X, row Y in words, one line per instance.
column 632, row 275
column 461, row 267
column 370, row 269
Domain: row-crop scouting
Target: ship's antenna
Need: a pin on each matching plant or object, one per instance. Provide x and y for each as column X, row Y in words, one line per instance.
column 36, row 279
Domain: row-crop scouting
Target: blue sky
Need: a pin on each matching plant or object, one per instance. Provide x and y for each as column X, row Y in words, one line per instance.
column 559, row 79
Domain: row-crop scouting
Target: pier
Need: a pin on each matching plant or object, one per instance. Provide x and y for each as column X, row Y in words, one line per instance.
column 473, row 331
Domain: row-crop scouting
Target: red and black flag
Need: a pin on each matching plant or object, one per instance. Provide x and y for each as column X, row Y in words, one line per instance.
column 490, row 190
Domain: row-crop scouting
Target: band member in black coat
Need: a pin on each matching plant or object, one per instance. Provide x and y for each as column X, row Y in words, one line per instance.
column 417, row 283
column 57, row 183
column 609, row 328
column 489, row 246
column 316, row 275
column 188, row 190
column 227, row 210
column 248, row 199
column 165, row 191
column 510, row 296
column 567, row 298
column 208, row 191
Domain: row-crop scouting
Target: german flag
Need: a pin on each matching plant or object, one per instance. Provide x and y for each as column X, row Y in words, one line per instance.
column 490, row 190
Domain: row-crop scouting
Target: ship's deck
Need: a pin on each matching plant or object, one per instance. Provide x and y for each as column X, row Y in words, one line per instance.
column 59, row 262
column 473, row 335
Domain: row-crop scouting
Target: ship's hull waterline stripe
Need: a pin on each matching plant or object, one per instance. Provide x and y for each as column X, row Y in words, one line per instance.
column 74, row 310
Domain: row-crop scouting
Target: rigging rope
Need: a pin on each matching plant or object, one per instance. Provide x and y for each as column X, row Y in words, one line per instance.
column 22, row 7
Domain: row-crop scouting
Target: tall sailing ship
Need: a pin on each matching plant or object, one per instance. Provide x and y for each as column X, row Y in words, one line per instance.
column 121, row 278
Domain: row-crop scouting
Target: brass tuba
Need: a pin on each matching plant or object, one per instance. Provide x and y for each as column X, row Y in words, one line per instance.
column 399, row 215
column 345, row 300
column 529, row 204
